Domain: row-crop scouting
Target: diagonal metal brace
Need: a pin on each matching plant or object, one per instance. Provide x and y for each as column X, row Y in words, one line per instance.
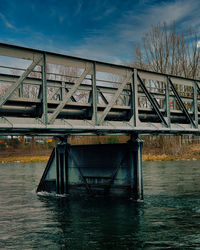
column 152, row 101
column 72, row 97
column 85, row 182
column 103, row 97
column 107, row 188
column 198, row 89
column 69, row 94
column 81, row 174
column 180, row 103
column 11, row 90
column 50, row 97
column 118, row 92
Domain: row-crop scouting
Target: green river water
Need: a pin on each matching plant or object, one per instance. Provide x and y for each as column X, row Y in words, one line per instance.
column 169, row 217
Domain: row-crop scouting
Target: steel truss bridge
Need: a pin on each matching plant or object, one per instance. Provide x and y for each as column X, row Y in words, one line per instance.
column 44, row 93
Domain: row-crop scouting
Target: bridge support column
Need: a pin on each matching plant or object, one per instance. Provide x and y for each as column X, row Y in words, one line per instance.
column 109, row 169
column 61, row 155
column 136, row 145
column 56, row 175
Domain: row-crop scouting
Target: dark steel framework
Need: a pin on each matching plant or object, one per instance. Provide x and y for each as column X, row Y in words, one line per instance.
column 112, row 169
column 48, row 93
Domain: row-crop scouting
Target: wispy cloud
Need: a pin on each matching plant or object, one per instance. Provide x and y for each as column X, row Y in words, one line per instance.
column 78, row 7
column 103, row 29
column 115, row 42
column 6, row 22
column 105, row 14
column 134, row 26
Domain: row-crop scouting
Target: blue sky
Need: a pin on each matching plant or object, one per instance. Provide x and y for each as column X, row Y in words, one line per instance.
column 105, row 30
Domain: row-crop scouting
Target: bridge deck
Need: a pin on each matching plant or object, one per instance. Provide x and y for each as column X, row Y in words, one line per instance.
column 48, row 93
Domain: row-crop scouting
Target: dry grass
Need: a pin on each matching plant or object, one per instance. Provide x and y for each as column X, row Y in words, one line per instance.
column 24, row 159
column 188, row 152
column 145, row 157
column 165, row 150
column 86, row 140
column 164, row 157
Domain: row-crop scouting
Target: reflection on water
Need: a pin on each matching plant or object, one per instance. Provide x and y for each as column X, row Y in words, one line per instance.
column 168, row 218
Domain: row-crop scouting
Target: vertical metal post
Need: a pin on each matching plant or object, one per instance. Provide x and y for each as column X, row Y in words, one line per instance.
column 94, row 95
column 57, row 171
column 132, row 169
column 44, row 91
column 61, row 163
column 126, row 98
column 139, row 169
column 167, row 102
column 136, row 145
column 134, row 99
column 195, row 104
column 21, row 90
column 66, row 168
column 62, row 91
column 62, row 168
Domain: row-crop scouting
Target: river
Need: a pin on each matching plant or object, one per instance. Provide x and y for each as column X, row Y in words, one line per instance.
column 169, row 217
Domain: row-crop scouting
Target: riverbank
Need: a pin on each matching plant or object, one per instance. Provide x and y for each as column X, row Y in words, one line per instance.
column 24, row 159
column 41, row 153
column 186, row 152
column 164, row 157
column 145, row 157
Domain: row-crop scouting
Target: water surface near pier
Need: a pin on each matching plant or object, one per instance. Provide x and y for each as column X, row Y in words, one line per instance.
column 169, row 218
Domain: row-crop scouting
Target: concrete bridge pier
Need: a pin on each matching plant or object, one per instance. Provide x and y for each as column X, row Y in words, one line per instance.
column 103, row 169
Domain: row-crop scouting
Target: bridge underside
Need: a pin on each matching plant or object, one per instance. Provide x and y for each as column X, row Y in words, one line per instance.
column 114, row 170
column 33, row 127
column 43, row 93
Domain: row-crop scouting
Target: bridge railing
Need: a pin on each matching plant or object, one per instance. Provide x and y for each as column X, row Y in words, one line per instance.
column 54, row 92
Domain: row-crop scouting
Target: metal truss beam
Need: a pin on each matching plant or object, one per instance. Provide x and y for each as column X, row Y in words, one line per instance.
column 140, row 110
column 180, row 103
column 167, row 102
column 102, row 97
column 69, row 94
column 134, row 100
column 118, row 92
column 152, row 101
column 56, row 91
column 44, row 91
column 72, row 97
column 94, row 95
column 11, row 90
column 196, row 90
column 197, row 86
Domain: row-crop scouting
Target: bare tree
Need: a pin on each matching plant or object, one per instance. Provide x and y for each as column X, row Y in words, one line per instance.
column 165, row 50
